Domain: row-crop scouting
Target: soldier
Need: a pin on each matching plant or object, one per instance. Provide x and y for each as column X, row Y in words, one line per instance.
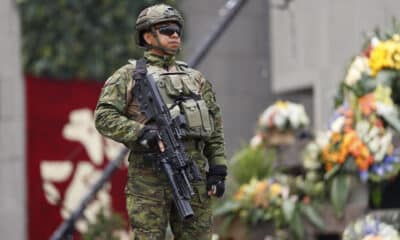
column 148, row 195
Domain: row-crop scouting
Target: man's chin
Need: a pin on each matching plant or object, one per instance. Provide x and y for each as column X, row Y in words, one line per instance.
column 174, row 49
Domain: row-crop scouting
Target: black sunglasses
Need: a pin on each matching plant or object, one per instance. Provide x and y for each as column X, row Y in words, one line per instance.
column 169, row 30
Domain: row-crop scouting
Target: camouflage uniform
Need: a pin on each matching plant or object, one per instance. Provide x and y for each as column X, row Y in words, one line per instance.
column 148, row 195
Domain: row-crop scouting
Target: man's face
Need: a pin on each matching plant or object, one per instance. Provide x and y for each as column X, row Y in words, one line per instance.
column 169, row 36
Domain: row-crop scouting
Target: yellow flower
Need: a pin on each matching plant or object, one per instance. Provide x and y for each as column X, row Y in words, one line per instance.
column 261, row 186
column 383, row 94
column 260, row 197
column 281, row 104
column 396, row 37
column 275, row 189
column 239, row 194
column 385, row 55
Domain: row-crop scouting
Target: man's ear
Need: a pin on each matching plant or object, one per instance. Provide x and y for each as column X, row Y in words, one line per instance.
column 148, row 37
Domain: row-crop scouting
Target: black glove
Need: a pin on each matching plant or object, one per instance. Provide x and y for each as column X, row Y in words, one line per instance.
column 149, row 136
column 216, row 180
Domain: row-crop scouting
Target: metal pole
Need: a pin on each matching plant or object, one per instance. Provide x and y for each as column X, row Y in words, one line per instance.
column 65, row 230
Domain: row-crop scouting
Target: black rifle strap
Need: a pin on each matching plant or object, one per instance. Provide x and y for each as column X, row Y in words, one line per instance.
column 140, row 72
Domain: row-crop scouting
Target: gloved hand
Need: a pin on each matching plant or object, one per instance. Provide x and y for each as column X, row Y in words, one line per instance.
column 149, row 136
column 216, row 180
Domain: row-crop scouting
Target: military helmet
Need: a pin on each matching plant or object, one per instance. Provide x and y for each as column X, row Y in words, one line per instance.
column 153, row 15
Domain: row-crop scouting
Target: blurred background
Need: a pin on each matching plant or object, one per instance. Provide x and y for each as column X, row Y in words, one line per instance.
column 56, row 55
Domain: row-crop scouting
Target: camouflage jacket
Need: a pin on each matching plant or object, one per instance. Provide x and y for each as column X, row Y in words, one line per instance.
column 116, row 118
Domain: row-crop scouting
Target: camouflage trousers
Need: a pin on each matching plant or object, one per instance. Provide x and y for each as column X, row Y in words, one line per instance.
column 151, row 208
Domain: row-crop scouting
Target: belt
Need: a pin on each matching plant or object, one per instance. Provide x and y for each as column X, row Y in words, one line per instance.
column 145, row 158
column 188, row 145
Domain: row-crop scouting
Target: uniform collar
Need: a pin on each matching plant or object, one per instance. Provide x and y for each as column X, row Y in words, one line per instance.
column 160, row 61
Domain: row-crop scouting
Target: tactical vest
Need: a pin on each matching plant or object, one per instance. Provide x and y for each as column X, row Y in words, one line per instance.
column 181, row 93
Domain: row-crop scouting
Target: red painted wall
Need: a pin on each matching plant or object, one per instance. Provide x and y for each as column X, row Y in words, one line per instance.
column 60, row 130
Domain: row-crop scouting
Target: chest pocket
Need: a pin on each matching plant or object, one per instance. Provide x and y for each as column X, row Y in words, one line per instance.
column 183, row 90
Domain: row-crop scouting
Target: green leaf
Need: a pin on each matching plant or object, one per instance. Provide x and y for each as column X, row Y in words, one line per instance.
column 376, row 194
column 288, row 208
column 312, row 215
column 252, row 162
column 393, row 121
column 332, row 172
column 296, row 225
column 365, row 85
column 385, row 77
column 226, row 207
column 340, row 189
column 350, row 165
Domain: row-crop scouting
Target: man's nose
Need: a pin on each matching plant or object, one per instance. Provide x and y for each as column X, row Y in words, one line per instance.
column 175, row 35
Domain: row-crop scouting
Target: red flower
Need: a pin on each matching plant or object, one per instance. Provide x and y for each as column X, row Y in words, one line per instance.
column 367, row 51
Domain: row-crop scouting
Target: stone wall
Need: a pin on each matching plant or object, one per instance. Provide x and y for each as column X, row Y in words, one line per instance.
column 12, row 127
column 237, row 64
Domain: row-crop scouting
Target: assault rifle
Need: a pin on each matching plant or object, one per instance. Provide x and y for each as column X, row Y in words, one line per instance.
column 171, row 156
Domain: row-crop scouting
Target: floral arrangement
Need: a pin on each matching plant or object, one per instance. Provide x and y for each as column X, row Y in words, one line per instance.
column 373, row 78
column 359, row 139
column 361, row 132
column 282, row 117
column 362, row 146
column 353, row 146
column 370, row 228
column 272, row 199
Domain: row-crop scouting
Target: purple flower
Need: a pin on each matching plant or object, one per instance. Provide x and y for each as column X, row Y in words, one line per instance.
column 388, row 167
column 364, row 176
column 390, row 159
column 369, row 229
column 396, row 152
column 378, row 169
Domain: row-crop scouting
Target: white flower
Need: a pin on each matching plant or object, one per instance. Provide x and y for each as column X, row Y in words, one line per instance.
column 373, row 133
column 338, row 124
column 310, row 156
column 322, row 138
column 298, row 116
column 265, row 117
column 362, row 129
column 357, row 67
column 385, row 109
column 282, row 115
column 375, row 41
column 370, row 228
column 280, row 121
column 374, row 146
column 384, row 145
column 256, row 140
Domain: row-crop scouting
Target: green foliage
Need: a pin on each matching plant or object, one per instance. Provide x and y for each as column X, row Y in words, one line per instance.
column 312, row 215
column 104, row 227
column 339, row 192
column 79, row 39
column 252, row 162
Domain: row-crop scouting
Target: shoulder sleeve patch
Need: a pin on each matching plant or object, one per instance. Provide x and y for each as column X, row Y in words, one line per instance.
column 182, row 64
column 112, row 79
